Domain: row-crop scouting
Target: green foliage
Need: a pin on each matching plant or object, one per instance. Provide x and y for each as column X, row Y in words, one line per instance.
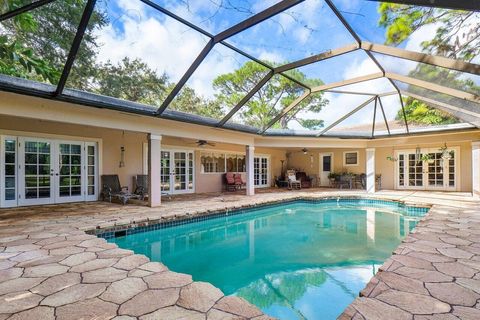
column 420, row 113
column 48, row 32
column 130, row 80
column 458, row 34
column 19, row 61
column 276, row 94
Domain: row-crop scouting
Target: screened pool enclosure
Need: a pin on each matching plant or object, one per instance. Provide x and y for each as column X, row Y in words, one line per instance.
column 319, row 68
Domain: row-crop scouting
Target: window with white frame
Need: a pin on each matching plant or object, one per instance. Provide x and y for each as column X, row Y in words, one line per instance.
column 235, row 163
column 212, row 162
column 217, row 162
column 350, row 158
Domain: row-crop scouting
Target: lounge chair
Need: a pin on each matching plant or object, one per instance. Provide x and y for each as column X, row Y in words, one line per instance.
column 111, row 189
column 293, row 183
column 230, row 184
column 239, row 180
column 141, row 186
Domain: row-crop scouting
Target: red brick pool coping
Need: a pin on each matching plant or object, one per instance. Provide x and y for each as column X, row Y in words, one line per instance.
column 51, row 269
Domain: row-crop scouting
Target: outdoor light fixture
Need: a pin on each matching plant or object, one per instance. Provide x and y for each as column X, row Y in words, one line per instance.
column 304, row 150
column 122, row 157
column 122, row 151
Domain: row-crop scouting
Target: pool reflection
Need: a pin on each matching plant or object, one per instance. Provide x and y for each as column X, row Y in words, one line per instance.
column 296, row 261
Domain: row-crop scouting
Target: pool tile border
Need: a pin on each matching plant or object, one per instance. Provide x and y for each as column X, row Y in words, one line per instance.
column 156, row 224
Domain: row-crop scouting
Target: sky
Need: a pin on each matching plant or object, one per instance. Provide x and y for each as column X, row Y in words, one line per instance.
column 137, row 31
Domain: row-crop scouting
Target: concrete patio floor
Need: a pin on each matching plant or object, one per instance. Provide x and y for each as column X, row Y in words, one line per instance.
column 51, row 269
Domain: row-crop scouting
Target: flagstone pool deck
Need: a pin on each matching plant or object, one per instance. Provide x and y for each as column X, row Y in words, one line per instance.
column 51, row 269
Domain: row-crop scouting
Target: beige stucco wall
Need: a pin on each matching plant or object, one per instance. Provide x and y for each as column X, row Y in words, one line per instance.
column 212, row 182
column 310, row 162
column 60, row 118
column 387, row 168
column 112, row 140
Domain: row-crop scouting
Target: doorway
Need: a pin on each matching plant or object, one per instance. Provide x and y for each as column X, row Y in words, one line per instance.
column 45, row 171
column 326, row 167
column 177, row 171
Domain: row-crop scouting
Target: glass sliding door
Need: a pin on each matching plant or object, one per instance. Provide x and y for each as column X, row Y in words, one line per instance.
column 261, row 171
column 69, row 176
column 9, row 171
column 165, row 172
column 428, row 170
column 44, row 171
column 36, row 172
column 177, row 171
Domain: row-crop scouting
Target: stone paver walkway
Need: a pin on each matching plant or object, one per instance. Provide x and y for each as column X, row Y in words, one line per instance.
column 51, row 269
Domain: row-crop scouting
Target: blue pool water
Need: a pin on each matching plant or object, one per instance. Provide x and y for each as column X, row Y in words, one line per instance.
column 299, row 260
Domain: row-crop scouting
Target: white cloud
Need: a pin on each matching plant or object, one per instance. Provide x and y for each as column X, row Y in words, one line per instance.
column 165, row 45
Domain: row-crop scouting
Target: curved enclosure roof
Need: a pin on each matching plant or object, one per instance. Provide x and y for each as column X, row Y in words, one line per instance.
column 319, row 68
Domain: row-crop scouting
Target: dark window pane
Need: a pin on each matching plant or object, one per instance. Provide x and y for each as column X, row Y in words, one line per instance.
column 43, row 158
column 75, row 170
column 31, row 193
column 65, row 148
column 44, row 192
column 65, row 170
column 10, row 194
column 31, row 158
column 76, row 149
column 65, row 192
column 9, row 169
column 76, row 160
column 65, row 159
column 76, row 191
column 10, row 182
column 9, row 157
column 43, row 169
column 10, row 145
column 44, row 147
column 31, row 146
column 44, row 181
column 31, row 181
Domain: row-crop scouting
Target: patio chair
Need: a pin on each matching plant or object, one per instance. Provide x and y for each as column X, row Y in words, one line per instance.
column 230, row 184
column 293, row 183
column 112, row 189
column 345, row 181
column 239, row 180
column 305, row 180
column 141, row 186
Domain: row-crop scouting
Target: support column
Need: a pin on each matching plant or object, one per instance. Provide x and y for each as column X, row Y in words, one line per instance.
column 476, row 169
column 250, row 151
column 154, row 165
column 370, row 170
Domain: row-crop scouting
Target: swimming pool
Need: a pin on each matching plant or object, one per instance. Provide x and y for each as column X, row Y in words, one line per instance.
column 297, row 260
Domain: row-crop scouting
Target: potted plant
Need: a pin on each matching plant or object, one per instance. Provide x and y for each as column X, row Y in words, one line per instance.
column 446, row 154
column 427, row 157
column 391, row 158
column 333, row 177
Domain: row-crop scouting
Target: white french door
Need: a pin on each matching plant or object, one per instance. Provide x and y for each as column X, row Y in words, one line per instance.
column 177, row 171
column 44, row 171
column 261, row 177
column 434, row 172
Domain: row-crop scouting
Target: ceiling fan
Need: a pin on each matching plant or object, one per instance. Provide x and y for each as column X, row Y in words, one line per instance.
column 202, row 143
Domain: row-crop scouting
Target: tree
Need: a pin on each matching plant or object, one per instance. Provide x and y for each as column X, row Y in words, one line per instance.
column 457, row 37
column 419, row 113
column 276, row 94
column 47, row 33
column 130, row 80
